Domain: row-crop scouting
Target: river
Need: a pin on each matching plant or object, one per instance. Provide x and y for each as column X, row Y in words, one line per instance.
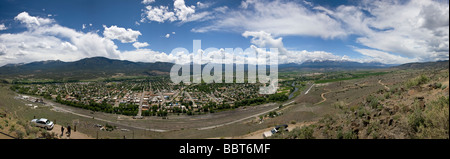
column 295, row 90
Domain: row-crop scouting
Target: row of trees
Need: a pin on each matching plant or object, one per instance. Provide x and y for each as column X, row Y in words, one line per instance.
column 261, row 100
column 125, row 109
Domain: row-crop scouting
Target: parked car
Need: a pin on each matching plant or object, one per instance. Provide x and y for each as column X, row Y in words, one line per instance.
column 284, row 126
column 43, row 123
column 275, row 130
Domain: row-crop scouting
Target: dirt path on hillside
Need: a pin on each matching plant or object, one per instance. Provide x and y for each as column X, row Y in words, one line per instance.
column 385, row 87
column 323, row 97
column 344, row 89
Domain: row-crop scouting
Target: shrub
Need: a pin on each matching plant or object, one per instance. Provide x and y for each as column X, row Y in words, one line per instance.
column 272, row 114
column 27, row 130
column 339, row 134
column 373, row 129
column 416, row 119
column 47, row 135
column 327, row 120
column 12, row 128
column 339, row 105
column 306, row 132
column 19, row 134
column 434, row 121
column 422, row 79
column 20, row 122
column 34, row 130
column 387, row 95
column 438, row 85
column 109, row 127
column 350, row 135
column 361, row 112
column 375, row 135
column 373, row 101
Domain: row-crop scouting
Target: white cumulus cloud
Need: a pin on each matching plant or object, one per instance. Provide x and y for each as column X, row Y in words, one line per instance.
column 25, row 18
column 276, row 17
column 180, row 12
column 55, row 42
column 3, row 27
column 159, row 14
column 384, row 57
column 122, row 34
column 147, row 1
column 264, row 41
column 412, row 30
column 138, row 45
column 46, row 40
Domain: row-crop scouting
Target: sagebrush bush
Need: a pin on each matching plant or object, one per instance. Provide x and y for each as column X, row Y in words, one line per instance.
column 415, row 119
column 372, row 101
column 306, row 132
column 19, row 134
column 422, row 79
column 12, row 128
column 433, row 122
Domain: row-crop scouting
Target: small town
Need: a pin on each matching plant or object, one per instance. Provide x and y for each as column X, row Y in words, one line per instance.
column 150, row 97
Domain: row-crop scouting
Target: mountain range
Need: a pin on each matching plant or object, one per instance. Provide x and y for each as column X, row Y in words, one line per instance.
column 332, row 65
column 95, row 67
column 87, row 68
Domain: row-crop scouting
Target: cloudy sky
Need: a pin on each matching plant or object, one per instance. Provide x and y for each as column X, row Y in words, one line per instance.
column 386, row 31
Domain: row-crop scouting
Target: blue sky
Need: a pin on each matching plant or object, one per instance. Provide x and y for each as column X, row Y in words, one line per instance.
column 383, row 31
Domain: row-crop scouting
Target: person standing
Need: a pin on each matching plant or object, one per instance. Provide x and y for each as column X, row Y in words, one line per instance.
column 68, row 130
column 62, row 131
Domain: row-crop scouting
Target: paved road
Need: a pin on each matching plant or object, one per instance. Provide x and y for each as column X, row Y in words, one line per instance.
column 141, row 99
column 190, row 98
column 104, row 120
column 309, row 89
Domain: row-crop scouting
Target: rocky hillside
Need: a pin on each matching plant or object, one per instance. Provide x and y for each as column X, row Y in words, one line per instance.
column 416, row 108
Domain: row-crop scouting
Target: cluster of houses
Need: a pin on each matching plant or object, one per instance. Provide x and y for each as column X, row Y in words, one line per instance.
column 32, row 99
column 162, row 93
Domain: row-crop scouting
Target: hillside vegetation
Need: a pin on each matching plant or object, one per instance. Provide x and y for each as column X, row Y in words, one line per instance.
column 416, row 108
